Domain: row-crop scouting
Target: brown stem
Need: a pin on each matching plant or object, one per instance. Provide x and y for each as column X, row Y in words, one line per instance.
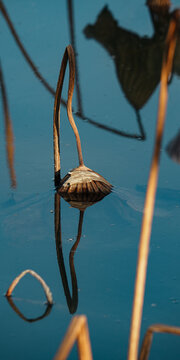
column 150, row 197
column 38, row 277
column 8, row 132
column 68, row 55
column 147, row 341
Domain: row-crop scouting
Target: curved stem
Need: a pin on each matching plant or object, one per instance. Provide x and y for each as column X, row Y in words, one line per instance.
column 68, row 55
column 71, row 58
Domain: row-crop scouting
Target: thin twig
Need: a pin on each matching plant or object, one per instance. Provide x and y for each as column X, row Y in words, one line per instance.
column 150, row 197
column 8, row 132
column 38, row 277
column 78, row 330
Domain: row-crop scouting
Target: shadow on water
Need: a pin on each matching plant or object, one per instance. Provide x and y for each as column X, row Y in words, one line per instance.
column 137, row 59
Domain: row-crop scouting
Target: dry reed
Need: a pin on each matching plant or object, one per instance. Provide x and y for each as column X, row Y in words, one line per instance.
column 77, row 331
column 151, row 193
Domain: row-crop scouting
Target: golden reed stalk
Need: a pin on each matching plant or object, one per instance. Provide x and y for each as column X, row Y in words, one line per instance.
column 151, row 192
column 77, row 331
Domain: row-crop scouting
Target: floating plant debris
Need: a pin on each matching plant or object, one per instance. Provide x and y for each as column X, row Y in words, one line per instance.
column 80, row 180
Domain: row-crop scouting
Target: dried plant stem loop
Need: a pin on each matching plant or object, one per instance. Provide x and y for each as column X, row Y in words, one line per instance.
column 38, row 277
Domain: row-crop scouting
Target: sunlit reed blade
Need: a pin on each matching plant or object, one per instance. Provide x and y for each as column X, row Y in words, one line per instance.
column 8, row 132
column 23, row 317
column 151, row 193
column 38, row 277
column 77, row 331
column 147, row 341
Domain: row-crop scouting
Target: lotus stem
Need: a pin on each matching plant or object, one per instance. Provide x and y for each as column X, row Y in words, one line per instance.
column 68, row 56
column 38, row 277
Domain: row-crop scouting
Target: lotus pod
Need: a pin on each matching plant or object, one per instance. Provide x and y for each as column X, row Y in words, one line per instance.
column 84, row 182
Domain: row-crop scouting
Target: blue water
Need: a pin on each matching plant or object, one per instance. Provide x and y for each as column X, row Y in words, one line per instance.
column 105, row 260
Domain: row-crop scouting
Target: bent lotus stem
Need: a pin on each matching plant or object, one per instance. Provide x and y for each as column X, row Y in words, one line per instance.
column 151, row 193
column 68, row 56
column 38, row 277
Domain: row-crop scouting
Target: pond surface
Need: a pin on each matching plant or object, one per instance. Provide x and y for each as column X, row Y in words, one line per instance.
column 118, row 69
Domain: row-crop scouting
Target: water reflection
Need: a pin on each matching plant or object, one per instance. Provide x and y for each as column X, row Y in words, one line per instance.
column 137, row 59
column 22, row 316
column 74, row 201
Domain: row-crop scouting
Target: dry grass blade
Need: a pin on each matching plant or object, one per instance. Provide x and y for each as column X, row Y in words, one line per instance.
column 147, row 341
column 150, row 194
column 78, row 330
column 38, row 277
column 8, row 132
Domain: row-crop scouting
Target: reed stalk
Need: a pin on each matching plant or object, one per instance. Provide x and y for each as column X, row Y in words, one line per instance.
column 151, row 193
column 77, row 331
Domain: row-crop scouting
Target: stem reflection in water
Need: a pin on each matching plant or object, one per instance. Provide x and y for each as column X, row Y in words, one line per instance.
column 72, row 300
